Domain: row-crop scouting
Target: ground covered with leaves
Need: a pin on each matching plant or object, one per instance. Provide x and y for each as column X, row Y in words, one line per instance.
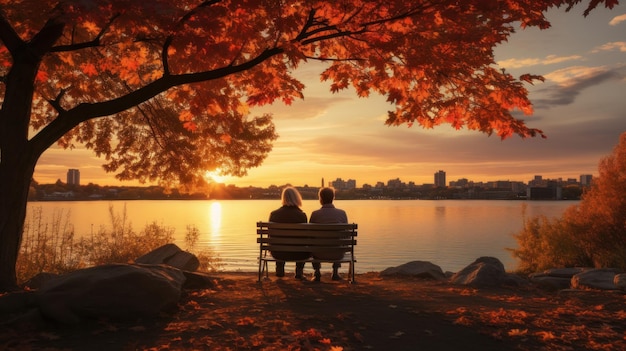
column 374, row 314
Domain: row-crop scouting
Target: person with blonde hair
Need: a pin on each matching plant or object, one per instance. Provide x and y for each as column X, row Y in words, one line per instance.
column 289, row 212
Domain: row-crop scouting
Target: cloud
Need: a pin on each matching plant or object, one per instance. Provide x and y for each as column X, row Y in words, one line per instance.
column 571, row 81
column 310, row 107
column 575, row 74
column 616, row 45
column 527, row 62
column 617, row 20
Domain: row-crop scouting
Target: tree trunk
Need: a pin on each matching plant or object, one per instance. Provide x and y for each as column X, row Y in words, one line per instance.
column 14, row 184
column 17, row 155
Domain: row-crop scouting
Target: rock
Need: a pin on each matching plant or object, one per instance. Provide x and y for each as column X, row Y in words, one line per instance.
column 556, row 278
column 421, row 269
column 602, row 279
column 184, row 260
column 16, row 301
column 114, row 291
column 485, row 271
column 198, row 280
column 514, row 280
column 38, row 280
column 567, row 272
column 551, row 283
column 171, row 255
column 620, row 281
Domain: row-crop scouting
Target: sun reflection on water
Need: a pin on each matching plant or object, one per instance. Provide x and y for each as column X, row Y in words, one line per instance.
column 215, row 219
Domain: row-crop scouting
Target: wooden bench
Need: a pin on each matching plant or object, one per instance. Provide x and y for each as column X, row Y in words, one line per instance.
column 319, row 239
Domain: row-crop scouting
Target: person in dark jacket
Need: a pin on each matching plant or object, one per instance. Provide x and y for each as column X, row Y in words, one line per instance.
column 328, row 213
column 289, row 212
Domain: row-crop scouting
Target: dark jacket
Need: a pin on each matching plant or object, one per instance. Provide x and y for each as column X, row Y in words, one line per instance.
column 289, row 214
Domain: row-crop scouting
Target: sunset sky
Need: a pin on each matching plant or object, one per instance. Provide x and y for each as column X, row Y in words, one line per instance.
column 581, row 107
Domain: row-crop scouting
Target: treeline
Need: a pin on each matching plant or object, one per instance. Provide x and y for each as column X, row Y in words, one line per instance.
column 60, row 191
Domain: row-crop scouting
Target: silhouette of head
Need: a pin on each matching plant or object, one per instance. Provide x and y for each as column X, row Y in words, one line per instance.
column 291, row 197
column 326, row 195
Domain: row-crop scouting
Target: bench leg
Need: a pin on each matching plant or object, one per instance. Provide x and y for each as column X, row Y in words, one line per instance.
column 262, row 269
column 352, row 275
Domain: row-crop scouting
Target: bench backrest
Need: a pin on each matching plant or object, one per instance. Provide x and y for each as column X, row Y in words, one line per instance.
column 310, row 235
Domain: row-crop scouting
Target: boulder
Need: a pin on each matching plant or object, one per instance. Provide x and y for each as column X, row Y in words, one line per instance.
column 551, row 283
column 38, row 280
column 601, row 279
column 16, row 302
column 485, row 271
column 199, row 280
column 171, row 255
column 114, row 291
column 567, row 272
column 514, row 280
column 555, row 278
column 421, row 269
column 620, row 281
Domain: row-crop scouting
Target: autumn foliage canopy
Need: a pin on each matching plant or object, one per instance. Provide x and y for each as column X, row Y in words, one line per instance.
column 160, row 89
column 179, row 76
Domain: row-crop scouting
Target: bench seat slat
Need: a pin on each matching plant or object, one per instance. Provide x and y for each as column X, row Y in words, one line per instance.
column 307, row 241
column 304, row 248
column 309, row 226
column 347, row 257
column 309, row 234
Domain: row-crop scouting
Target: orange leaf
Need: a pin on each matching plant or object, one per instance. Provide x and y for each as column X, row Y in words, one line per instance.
column 518, row 332
column 546, row 335
column 245, row 321
column 42, row 76
column 190, row 126
column 226, row 138
column 91, row 27
column 89, row 69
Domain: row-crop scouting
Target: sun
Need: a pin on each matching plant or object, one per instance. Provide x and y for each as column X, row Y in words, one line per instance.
column 215, row 176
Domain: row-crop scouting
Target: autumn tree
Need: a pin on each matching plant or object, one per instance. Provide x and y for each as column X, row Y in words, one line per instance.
column 589, row 234
column 160, row 89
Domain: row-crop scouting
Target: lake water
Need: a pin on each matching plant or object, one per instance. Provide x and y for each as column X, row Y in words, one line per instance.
column 448, row 233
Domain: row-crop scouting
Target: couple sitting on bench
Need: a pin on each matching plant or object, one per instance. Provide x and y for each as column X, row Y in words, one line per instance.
column 291, row 212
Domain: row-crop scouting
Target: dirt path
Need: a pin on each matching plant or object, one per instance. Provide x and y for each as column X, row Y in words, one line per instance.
column 374, row 314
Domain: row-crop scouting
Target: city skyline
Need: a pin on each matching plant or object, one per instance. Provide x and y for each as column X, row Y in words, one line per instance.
column 580, row 108
column 73, row 178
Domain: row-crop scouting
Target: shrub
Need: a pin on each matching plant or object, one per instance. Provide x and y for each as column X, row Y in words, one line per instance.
column 593, row 233
column 209, row 261
column 47, row 246
column 547, row 243
column 51, row 246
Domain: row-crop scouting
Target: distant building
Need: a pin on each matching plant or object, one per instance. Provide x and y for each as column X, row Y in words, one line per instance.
column 538, row 182
column 440, row 179
column 340, row 184
column 395, row 183
column 73, row 177
column 585, row 179
column 551, row 191
column 461, row 183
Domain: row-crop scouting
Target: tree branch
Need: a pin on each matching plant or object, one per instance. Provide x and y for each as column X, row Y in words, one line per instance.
column 170, row 38
column 89, row 44
column 8, row 36
column 56, row 102
column 68, row 119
